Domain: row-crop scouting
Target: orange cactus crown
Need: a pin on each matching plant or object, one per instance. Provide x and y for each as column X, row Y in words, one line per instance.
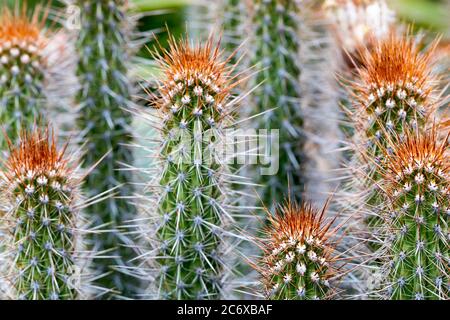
column 418, row 151
column 186, row 66
column 300, row 222
column 397, row 60
column 36, row 154
column 19, row 27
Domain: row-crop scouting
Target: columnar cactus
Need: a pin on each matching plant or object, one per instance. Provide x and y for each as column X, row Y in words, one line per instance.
column 395, row 90
column 274, row 46
column 42, row 222
column 355, row 24
column 299, row 259
column 416, row 181
column 193, row 205
column 106, row 89
column 35, row 67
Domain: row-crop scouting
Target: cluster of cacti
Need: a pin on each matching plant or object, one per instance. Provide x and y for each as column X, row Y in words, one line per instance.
column 186, row 232
column 393, row 92
column 299, row 258
column 34, row 69
column 192, row 197
column 274, row 46
column 42, row 222
column 103, row 45
column 416, row 215
column 356, row 23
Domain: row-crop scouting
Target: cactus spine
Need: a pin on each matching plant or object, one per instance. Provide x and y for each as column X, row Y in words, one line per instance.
column 33, row 66
column 299, row 255
column 417, row 183
column 105, row 91
column 274, row 44
column 193, row 205
column 42, row 221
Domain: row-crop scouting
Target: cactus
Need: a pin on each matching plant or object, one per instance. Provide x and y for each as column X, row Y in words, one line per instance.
column 395, row 90
column 35, row 66
column 319, row 96
column 103, row 46
column 192, row 198
column 42, row 221
column 299, row 258
column 416, row 251
column 274, row 46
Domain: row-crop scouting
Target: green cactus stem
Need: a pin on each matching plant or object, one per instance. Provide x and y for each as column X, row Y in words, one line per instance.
column 416, row 250
column 106, row 90
column 394, row 90
column 194, row 203
column 274, row 45
column 34, row 64
column 42, row 223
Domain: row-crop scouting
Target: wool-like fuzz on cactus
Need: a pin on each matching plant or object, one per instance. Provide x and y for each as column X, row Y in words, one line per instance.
column 274, row 47
column 32, row 62
column 104, row 46
column 41, row 221
column 416, row 251
column 193, row 202
column 299, row 259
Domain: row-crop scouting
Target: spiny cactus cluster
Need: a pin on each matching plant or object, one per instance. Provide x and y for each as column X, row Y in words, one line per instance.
column 187, row 231
column 299, row 258
column 274, row 45
column 193, row 202
column 394, row 91
column 29, row 54
column 41, row 221
column 416, row 182
column 103, row 44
